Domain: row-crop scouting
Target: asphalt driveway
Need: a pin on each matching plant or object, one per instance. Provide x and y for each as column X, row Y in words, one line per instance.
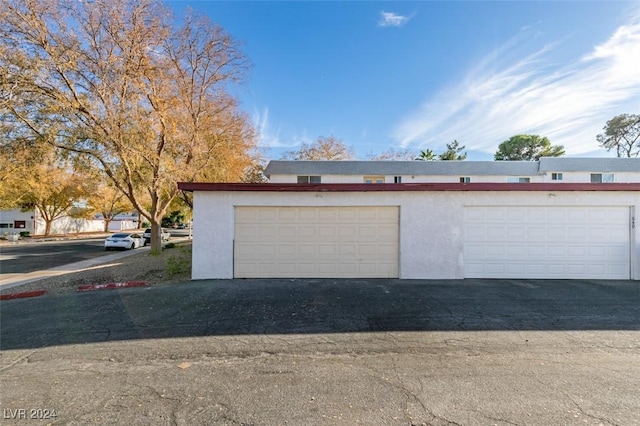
column 240, row 307
column 328, row 352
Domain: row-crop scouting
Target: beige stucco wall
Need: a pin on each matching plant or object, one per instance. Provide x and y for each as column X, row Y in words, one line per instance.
column 431, row 223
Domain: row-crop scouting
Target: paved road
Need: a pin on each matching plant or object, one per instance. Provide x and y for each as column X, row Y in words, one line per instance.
column 23, row 258
column 378, row 352
column 29, row 256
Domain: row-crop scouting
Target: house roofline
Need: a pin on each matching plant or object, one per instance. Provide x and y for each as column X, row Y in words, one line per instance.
column 404, row 187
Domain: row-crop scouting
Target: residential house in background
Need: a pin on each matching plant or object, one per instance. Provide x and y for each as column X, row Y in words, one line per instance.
column 15, row 221
column 548, row 169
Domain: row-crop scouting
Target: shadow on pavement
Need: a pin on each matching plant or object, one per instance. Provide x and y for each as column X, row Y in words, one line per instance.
column 241, row 307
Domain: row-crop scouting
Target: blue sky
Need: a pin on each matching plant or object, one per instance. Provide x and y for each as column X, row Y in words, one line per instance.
column 382, row 75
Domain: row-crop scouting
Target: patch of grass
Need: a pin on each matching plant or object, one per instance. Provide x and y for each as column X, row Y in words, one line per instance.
column 179, row 263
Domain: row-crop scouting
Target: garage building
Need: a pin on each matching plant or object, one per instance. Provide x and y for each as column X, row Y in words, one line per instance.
column 416, row 231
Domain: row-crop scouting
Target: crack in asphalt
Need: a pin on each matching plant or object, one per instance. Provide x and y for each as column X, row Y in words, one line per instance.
column 27, row 355
column 498, row 419
column 583, row 412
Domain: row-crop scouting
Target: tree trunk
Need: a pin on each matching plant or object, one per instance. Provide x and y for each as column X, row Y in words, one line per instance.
column 47, row 227
column 106, row 224
column 156, row 238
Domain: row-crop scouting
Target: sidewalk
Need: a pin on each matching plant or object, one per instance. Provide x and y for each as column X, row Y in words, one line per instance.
column 14, row 280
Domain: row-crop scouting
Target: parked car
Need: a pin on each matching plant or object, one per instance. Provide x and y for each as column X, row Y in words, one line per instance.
column 165, row 235
column 124, row 241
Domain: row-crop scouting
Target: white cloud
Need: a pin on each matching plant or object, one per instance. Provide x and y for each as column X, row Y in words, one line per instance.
column 266, row 137
column 390, row 19
column 510, row 92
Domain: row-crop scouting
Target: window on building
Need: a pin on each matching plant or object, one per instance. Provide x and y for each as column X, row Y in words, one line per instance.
column 309, row 179
column 374, row 179
column 513, row 179
column 556, row 176
column 465, row 179
column 397, row 179
column 6, row 225
column 601, row 177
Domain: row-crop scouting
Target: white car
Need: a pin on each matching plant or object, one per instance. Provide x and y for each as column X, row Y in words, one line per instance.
column 164, row 235
column 124, row 241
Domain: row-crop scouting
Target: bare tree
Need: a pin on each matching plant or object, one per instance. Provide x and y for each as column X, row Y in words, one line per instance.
column 121, row 84
column 391, row 154
column 324, row 148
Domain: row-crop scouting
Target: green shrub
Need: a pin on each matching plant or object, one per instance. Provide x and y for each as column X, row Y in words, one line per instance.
column 179, row 263
column 25, row 234
column 170, row 245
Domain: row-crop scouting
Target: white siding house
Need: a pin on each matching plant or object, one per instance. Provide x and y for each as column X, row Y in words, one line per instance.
column 548, row 169
column 16, row 221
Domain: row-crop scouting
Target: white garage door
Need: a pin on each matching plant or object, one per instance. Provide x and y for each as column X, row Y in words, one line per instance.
column 547, row 242
column 316, row 242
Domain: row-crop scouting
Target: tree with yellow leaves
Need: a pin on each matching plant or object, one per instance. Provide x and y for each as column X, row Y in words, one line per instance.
column 122, row 86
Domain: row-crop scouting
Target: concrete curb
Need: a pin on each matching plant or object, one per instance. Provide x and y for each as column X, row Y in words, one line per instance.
column 111, row 286
column 23, row 295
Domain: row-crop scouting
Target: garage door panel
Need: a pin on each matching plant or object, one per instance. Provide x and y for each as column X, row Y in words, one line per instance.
column 494, row 249
column 316, row 242
column 306, row 232
column 246, row 250
column 327, row 250
column 368, row 215
column 536, row 251
column 389, row 251
column 536, row 233
column 516, row 249
column 557, row 250
column 326, row 233
column 619, row 250
column 388, row 215
column 348, row 214
column 286, row 268
column 576, row 233
column 347, row 232
column 286, row 249
column 367, row 233
column 367, row 250
column 287, row 233
column 326, row 268
column 268, row 232
column 618, row 235
column 306, row 250
column 248, row 231
column 267, row 215
column 576, row 242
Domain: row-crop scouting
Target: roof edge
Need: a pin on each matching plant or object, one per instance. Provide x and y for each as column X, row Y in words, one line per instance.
column 400, row 187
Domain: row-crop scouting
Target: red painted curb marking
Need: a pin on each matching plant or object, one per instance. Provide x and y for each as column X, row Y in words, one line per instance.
column 111, row 286
column 23, row 295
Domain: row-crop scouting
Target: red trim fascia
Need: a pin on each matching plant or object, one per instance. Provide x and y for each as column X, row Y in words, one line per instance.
column 400, row 187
